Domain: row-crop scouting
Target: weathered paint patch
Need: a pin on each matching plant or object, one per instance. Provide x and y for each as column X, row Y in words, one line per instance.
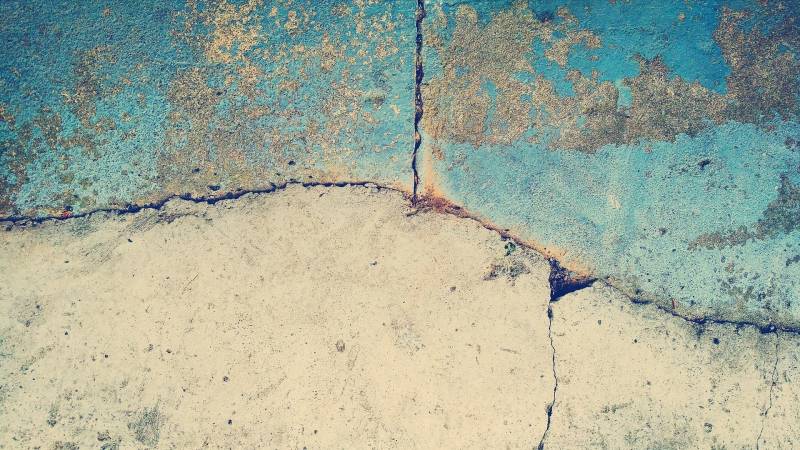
column 655, row 144
column 105, row 104
column 650, row 144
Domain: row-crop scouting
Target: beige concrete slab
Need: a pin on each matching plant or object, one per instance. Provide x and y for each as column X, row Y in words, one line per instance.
column 633, row 376
column 341, row 318
column 782, row 418
column 318, row 318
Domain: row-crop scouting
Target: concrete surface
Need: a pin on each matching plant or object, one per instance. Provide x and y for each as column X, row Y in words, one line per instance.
column 632, row 376
column 342, row 318
column 319, row 318
column 103, row 104
column 651, row 144
column 626, row 138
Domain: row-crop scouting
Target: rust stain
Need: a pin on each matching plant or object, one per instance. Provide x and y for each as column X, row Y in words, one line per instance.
column 441, row 205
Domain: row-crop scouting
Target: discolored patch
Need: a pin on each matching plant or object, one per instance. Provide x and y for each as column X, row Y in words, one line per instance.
column 89, row 87
column 490, row 88
column 782, row 216
column 146, row 427
column 763, row 83
column 6, row 116
column 478, row 97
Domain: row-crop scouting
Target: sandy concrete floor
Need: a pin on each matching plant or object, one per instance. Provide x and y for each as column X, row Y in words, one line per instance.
column 632, row 376
column 340, row 318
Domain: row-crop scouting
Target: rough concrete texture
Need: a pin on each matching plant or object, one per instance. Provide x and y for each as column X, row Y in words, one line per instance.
column 109, row 103
column 650, row 143
column 319, row 318
column 630, row 376
column 342, row 318
column 195, row 161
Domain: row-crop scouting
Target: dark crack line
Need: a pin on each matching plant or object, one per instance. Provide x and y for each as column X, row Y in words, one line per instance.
column 702, row 321
column 565, row 286
column 427, row 204
column 549, row 408
column 563, row 281
column 771, row 390
column 418, row 106
column 444, row 206
column 210, row 200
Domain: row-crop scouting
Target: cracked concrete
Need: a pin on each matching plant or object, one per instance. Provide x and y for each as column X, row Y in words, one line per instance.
column 555, row 374
column 210, row 99
column 339, row 316
column 773, row 381
column 620, row 137
column 648, row 378
column 419, row 108
column 310, row 316
column 632, row 376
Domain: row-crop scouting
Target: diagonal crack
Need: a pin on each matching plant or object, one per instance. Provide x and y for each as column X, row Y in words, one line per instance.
column 702, row 321
column 562, row 281
column 771, row 389
column 418, row 106
column 563, row 285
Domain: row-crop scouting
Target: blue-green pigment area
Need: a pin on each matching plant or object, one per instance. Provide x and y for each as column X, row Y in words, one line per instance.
column 652, row 144
column 104, row 104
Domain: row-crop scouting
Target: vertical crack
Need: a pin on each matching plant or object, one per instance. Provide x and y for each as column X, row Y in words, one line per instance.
column 552, row 404
column 418, row 108
column 562, row 282
column 771, row 390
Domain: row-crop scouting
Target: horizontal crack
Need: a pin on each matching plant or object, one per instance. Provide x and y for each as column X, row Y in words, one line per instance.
column 707, row 320
column 210, row 199
column 425, row 203
column 445, row 206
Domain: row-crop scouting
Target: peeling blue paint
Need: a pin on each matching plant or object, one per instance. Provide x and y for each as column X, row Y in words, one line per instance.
column 655, row 144
column 646, row 214
column 333, row 82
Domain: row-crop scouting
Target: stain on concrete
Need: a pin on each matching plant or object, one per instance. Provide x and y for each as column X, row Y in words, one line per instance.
column 146, row 427
column 782, row 216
